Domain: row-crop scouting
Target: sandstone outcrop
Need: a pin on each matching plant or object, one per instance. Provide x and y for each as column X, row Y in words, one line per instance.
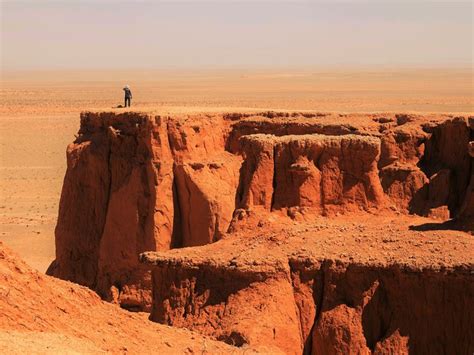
column 128, row 189
column 327, row 173
column 206, row 198
column 211, row 300
column 304, row 288
column 139, row 182
column 104, row 219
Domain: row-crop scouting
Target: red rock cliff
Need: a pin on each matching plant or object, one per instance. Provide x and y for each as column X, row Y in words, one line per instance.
column 140, row 182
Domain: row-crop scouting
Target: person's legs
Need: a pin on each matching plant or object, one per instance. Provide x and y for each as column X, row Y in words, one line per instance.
column 127, row 102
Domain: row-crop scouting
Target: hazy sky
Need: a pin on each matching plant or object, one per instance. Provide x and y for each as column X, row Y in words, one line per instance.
column 147, row 34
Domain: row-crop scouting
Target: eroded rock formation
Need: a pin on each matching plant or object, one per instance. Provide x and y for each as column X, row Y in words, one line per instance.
column 301, row 291
column 140, row 183
column 327, row 173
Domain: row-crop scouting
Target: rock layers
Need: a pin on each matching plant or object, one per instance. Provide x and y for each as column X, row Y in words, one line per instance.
column 247, row 227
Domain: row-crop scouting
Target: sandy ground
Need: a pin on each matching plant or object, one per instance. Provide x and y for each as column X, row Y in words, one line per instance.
column 39, row 114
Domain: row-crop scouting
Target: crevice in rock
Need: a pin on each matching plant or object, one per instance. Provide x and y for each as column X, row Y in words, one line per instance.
column 299, row 272
column 177, row 233
column 216, row 235
column 108, row 194
column 319, row 291
column 445, row 149
column 293, row 274
column 376, row 317
column 239, row 194
column 274, row 179
column 168, row 136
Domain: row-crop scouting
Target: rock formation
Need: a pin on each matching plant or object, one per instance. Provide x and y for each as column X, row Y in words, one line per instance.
column 308, row 288
column 44, row 315
column 225, row 191
column 329, row 173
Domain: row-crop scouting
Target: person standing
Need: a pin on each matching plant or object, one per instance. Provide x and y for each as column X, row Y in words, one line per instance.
column 128, row 95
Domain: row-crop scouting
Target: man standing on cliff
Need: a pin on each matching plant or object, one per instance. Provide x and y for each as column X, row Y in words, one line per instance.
column 128, row 95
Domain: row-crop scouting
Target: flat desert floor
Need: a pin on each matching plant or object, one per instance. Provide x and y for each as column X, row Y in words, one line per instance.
column 39, row 115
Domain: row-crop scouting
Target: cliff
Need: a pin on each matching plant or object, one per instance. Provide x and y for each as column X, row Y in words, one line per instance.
column 193, row 195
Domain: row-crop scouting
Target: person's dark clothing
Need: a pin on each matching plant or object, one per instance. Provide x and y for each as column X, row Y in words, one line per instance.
column 128, row 96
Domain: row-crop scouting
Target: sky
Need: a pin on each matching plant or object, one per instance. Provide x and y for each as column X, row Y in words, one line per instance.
column 79, row 34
